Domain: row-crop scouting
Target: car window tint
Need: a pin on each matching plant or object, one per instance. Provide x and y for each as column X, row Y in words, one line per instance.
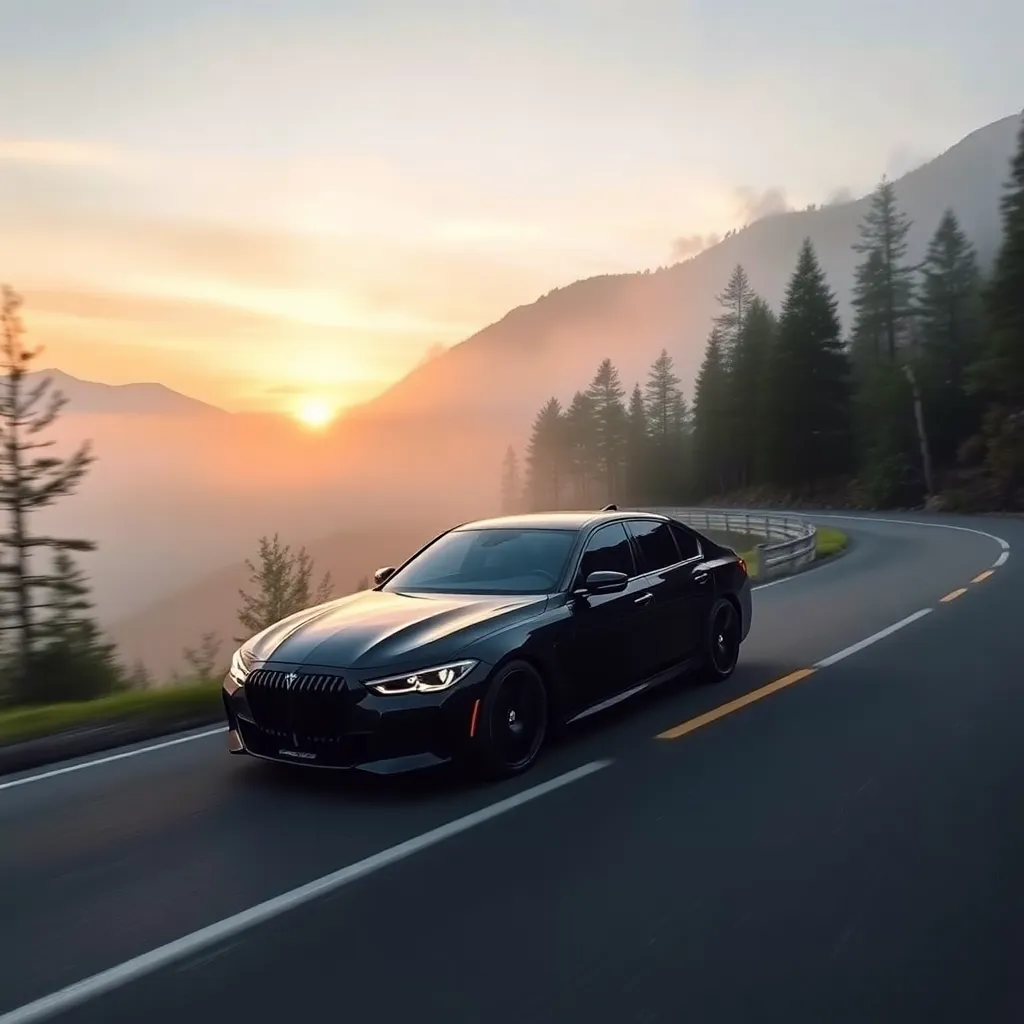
column 689, row 546
column 608, row 550
column 657, row 545
column 495, row 561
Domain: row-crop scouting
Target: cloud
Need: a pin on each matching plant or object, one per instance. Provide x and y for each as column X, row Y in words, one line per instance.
column 843, row 194
column 686, row 246
column 755, row 204
column 59, row 153
column 433, row 351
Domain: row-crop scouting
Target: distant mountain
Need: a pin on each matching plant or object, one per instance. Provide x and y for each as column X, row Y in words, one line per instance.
column 506, row 371
column 86, row 396
column 173, row 497
column 442, row 429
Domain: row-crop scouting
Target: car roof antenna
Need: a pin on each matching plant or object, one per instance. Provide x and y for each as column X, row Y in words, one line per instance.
column 610, row 508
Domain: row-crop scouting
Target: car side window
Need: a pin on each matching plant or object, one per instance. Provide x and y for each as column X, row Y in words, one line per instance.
column 656, row 543
column 608, row 550
column 689, row 546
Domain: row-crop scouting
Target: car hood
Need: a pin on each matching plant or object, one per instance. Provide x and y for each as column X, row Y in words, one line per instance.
column 374, row 628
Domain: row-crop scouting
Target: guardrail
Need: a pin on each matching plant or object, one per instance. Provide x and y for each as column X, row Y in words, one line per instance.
column 789, row 543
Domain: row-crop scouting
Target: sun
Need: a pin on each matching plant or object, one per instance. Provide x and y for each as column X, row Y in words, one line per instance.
column 315, row 413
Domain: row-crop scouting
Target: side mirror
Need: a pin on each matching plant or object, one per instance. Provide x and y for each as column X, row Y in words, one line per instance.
column 605, row 582
column 383, row 575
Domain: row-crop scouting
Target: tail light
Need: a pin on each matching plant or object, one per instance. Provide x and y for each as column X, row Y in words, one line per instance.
column 743, row 565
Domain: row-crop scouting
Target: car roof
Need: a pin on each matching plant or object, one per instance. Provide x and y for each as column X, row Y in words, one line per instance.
column 554, row 520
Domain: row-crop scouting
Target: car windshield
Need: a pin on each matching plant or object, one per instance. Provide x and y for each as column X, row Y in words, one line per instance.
column 496, row 561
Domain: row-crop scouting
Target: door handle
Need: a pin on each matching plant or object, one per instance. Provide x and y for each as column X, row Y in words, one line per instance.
column 700, row 577
column 644, row 598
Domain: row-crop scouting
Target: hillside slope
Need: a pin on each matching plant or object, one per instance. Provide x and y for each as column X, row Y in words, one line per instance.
column 553, row 345
column 86, row 397
column 430, row 446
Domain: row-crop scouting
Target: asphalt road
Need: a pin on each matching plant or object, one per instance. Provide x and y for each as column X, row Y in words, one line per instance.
column 847, row 847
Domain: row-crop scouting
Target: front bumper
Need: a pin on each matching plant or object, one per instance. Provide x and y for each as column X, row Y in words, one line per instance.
column 342, row 724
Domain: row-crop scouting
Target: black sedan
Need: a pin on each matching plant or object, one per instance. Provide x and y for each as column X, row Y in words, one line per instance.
column 488, row 639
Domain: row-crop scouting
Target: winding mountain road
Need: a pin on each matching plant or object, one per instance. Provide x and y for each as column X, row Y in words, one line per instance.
column 824, row 844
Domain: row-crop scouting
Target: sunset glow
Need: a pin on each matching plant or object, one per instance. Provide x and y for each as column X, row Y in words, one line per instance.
column 181, row 230
column 315, row 413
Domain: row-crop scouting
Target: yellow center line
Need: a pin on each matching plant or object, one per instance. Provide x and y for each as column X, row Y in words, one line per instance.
column 954, row 595
column 734, row 705
column 982, row 576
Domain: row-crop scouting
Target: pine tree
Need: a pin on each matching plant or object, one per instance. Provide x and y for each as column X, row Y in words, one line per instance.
column 71, row 660
column 668, row 423
column 999, row 374
column 581, row 448
column 868, row 344
column 1001, row 370
column 883, row 303
column 747, row 389
column 139, row 678
column 663, row 400
column 638, row 451
column 809, row 398
column 606, row 394
column 511, row 489
column 547, row 458
column 204, row 661
column 29, row 480
column 736, row 301
column 69, row 598
column 282, row 586
column 949, row 324
column 883, row 290
column 711, row 418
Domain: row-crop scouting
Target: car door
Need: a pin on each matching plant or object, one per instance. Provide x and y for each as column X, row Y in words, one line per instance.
column 698, row 587
column 682, row 591
column 598, row 664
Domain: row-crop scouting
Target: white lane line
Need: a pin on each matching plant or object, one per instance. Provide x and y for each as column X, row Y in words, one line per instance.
column 112, row 757
column 873, row 639
column 188, row 945
column 1001, row 560
column 775, row 583
column 1004, row 544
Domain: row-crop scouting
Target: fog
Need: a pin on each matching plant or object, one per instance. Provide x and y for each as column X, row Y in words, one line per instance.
column 171, row 499
column 177, row 502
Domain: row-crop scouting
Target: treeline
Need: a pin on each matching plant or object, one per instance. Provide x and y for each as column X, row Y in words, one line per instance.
column 922, row 397
column 51, row 647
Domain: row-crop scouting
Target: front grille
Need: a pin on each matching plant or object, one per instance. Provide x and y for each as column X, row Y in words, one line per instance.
column 310, row 705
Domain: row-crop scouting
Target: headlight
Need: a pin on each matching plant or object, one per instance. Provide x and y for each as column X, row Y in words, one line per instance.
column 241, row 662
column 429, row 680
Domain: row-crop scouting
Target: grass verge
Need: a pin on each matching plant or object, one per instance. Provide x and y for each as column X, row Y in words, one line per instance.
column 167, row 704
column 830, row 542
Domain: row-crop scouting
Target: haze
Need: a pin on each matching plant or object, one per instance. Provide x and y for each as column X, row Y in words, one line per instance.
column 285, row 208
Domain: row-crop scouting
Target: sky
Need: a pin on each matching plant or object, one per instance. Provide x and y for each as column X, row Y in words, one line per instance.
column 267, row 202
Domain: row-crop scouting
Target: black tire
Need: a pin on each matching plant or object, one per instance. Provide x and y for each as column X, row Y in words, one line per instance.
column 722, row 641
column 513, row 721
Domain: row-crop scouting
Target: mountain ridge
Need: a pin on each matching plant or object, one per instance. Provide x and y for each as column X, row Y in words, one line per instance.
column 429, row 447
column 135, row 398
column 967, row 177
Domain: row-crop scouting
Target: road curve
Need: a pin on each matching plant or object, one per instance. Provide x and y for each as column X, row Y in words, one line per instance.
column 845, row 845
